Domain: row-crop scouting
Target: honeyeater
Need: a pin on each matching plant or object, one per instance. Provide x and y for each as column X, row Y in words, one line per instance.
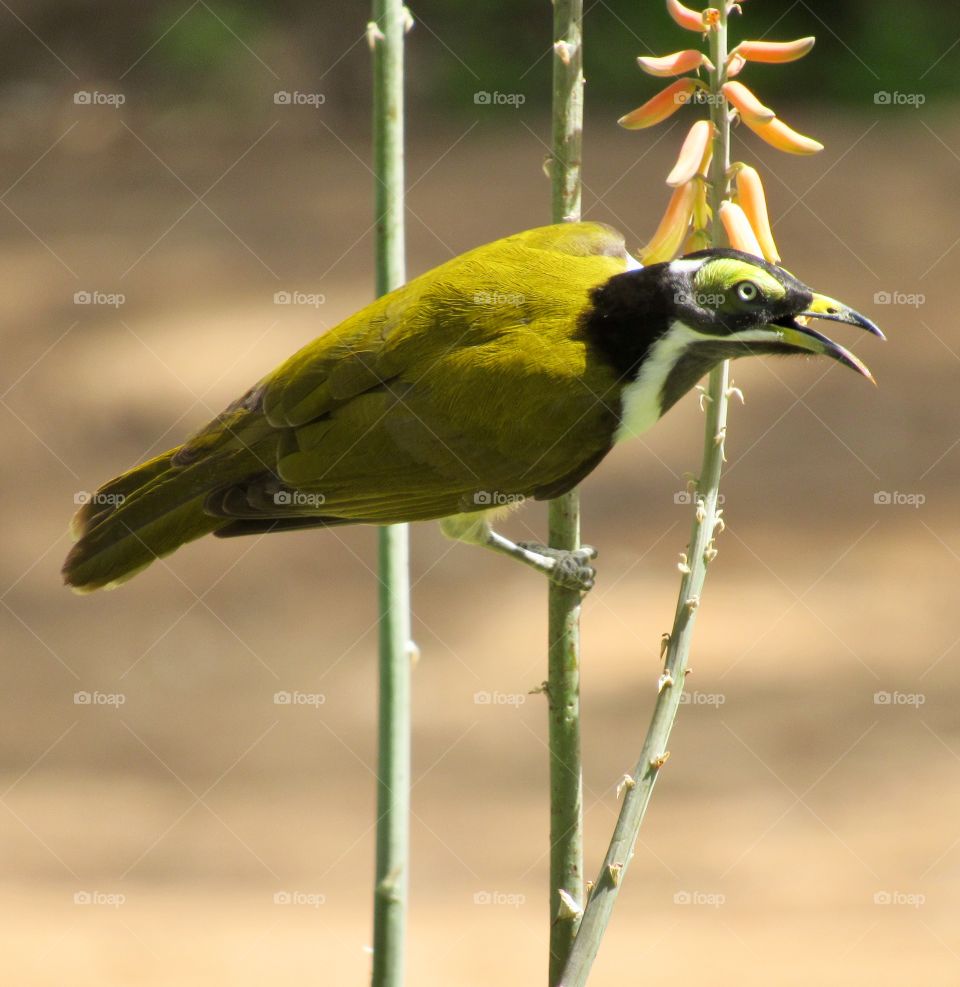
column 506, row 373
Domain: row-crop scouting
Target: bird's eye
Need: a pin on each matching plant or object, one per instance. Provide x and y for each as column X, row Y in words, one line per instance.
column 747, row 291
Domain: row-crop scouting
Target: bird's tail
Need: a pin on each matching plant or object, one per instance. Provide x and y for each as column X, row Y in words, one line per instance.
column 149, row 512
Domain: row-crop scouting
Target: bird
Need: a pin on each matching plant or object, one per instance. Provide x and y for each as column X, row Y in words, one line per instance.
column 507, row 373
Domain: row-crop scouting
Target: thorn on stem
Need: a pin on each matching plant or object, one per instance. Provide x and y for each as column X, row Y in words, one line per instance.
column 626, row 783
column 615, row 872
column 659, row 761
column 664, row 680
column 374, row 35
column 569, row 908
column 664, row 643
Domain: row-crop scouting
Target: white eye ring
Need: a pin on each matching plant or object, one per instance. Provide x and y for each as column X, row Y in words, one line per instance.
column 747, row 291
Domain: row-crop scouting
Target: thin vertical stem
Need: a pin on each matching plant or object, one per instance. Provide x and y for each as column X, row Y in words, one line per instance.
column 393, row 769
column 563, row 676
column 638, row 787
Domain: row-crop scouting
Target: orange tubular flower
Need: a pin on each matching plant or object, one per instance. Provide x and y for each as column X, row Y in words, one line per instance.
column 695, row 149
column 774, row 51
column 673, row 227
column 777, row 134
column 754, row 204
column 676, row 64
column 747, row 104
column 739, row 231
column 663, row 105
column 735, row 64
column 685, row 17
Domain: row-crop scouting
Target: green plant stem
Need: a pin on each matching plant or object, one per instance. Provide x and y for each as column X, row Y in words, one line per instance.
column 638, row 786
column 563, row 674
column 393, row 767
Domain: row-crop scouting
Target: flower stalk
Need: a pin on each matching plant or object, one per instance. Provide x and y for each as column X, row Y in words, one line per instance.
column 385, row 34
column 563, row 630
column 702, row 213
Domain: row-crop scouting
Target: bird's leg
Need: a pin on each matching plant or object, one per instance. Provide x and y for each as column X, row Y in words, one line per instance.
column 570, row 569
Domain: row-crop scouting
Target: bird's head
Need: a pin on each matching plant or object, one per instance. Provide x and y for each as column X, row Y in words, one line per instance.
column 664, row 326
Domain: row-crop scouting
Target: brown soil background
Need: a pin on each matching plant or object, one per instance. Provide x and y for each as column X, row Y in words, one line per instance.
column 784, row 812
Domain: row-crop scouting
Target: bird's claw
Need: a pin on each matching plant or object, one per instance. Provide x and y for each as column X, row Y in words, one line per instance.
column 570, row 568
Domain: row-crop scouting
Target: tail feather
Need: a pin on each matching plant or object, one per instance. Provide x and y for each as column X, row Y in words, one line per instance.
column 148, row 513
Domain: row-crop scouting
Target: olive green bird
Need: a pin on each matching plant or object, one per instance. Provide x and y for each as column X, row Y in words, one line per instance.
column 506, row 373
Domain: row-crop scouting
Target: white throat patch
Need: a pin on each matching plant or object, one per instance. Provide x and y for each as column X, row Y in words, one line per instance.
column 641, row 399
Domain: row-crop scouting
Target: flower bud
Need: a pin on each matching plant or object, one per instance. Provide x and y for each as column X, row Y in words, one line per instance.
column 673, row 227
column 746, row 103
column 663, row 105
column 774, row 51
column 777, row 134
column 739, row 231
column 695, row 148
column 685, row 17
column 752, row 200
column 675, row 64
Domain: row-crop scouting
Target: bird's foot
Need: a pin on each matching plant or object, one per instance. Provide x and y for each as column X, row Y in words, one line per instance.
column 570, row 569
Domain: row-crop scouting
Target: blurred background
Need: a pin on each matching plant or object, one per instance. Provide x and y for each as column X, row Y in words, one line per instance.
column 186, row 200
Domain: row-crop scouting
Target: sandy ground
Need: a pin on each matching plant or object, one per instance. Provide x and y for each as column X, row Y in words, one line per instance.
column 805, row 831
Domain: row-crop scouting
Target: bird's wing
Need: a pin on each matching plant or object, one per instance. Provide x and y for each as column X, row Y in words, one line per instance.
column 448, row 394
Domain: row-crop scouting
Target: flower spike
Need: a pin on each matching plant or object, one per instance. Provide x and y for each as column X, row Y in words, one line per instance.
column 661, row 106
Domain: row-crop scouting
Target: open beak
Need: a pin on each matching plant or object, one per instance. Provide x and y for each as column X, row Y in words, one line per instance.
column 795, row 333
